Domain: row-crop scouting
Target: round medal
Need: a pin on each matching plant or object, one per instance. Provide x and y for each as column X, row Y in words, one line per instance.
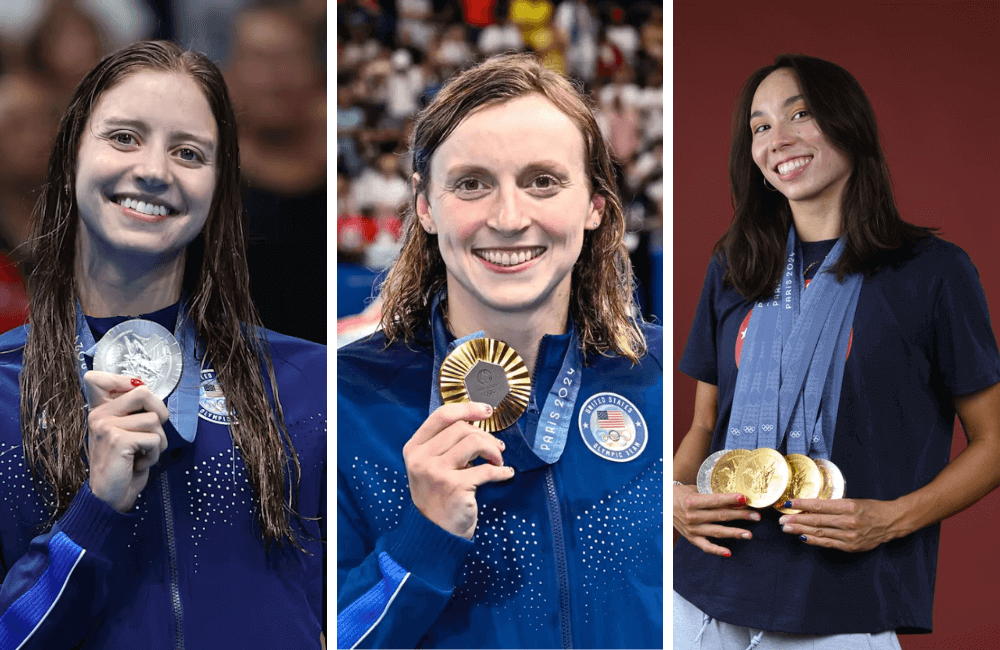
column 490, row 371
column 762, row 476
column 723, row 478
column 833, row 480
column 143, row 349
column 805, row 481
column 705, row 471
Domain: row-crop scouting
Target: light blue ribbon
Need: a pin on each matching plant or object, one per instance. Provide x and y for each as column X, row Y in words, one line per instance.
column 554, row 421
column 794, row 353
column 182, row 403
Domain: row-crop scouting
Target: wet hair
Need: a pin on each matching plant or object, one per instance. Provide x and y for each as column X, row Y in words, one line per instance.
column 215, row 280
column 754, row 245
column 601, row 294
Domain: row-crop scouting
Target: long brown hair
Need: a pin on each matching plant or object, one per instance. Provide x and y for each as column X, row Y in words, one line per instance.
column 53, row 415
column 754, row 244
column 601, row 293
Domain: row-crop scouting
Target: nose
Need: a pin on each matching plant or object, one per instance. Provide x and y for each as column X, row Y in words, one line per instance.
column 782, row 135
column 508, row 215
column 152, row 169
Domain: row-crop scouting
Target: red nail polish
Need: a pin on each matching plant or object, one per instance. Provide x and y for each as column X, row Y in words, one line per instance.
column 742, row 500
column 489, row 410
column 136, row 381
column 727, row 554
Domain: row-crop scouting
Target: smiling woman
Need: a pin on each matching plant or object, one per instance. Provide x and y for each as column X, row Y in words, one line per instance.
column 510, row 302
column 163, row 453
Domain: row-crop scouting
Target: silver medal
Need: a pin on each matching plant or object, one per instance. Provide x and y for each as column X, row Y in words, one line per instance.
column 143, row 349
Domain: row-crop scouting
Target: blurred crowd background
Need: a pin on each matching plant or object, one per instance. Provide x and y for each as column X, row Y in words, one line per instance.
column 393, row 56
column 273, row 55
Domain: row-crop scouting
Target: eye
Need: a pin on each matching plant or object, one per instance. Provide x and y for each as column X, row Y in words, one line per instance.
column 545, row 182
column 189, row 155
column 123, row 138
column 760, row 128
column 803, row 113
column 470, row 185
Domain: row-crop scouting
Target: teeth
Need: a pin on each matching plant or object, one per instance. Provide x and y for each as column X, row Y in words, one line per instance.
column 792, row 165
column 145, row 208
column 508, row 258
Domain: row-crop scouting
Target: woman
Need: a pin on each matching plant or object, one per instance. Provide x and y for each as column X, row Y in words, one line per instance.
column 133, row 518
column 515, row 234
column 814, row 206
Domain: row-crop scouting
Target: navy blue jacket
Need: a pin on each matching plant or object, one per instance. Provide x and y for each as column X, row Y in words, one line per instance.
column 564, row 555
column 186, row 567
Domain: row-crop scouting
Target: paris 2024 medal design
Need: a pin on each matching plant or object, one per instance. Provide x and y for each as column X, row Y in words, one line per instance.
column 805, row 482
column 143, row 349
column 722, row 478
column 489, row 371
column 833, row 480
column 762, row 477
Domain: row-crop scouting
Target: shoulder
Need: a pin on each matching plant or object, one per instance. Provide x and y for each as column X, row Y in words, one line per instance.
column 933, row 260
column 654, row 342
column 12, row 352
column 306, row 357
column 300, row 370
column 371, row 364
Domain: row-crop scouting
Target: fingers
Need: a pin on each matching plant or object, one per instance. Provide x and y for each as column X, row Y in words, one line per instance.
column 481, row 474
column 456, row 433
column 148, row 447
column 470, row 447
column 137, row 399
column 447, row 415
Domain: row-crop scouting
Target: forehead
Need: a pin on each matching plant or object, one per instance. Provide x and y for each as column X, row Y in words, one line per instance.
column 775, row 88
column 168, row 100
column 516, row 132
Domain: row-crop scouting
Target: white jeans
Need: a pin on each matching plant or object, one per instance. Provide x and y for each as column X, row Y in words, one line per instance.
column 691, row 632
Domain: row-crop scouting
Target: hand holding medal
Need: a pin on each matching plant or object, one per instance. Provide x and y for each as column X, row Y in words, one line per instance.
column 125, row 437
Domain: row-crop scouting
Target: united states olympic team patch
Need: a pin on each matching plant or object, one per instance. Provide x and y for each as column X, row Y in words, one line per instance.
column 612, row 427
column 211, row 401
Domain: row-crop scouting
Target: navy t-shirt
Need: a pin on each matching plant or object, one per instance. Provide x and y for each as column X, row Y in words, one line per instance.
column 921, row 336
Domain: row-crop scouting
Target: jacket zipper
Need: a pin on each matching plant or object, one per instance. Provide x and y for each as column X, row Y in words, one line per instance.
column 559, row 545
column 175, row 590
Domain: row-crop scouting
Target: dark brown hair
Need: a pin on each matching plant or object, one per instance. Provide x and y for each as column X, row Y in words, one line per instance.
column 601, row 294
column 216, row 280
column 754, row 244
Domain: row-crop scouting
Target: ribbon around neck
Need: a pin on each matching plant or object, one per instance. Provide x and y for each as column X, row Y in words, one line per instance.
column 548, row 440
column 182, row 403
column 794, row 353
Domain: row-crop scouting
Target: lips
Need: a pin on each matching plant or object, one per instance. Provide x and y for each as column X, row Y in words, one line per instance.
column 788, row 166
column 509, row 257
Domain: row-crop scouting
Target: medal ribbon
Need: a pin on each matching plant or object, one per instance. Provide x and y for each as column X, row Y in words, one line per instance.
column 797, row 353
column 552, row 430
column 182, row 403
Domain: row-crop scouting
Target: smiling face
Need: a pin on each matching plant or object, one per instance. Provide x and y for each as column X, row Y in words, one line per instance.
column 146, row 168
column 509, row 201
column 788, row 146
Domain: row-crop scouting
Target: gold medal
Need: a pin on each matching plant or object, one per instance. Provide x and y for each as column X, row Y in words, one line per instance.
column 762, row 476
column 723, row 474
column 833, row 480
column 489, row 371
column 805, row 481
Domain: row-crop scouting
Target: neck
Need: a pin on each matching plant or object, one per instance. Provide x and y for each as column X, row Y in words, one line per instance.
column 521, row 330
column 818, row 218
column 126, row 287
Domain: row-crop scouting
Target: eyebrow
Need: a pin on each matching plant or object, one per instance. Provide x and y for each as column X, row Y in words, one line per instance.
column 139, row 125
column 548, row 165
column 788, row 102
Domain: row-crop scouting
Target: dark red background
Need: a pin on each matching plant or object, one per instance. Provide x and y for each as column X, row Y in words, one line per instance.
column 932, row 73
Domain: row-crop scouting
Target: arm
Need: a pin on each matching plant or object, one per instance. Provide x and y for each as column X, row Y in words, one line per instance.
column 695, row 514
column 862, row 524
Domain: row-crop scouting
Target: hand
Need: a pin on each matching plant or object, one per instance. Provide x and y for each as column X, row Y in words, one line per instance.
column 847, row 524
column 438, row 461
column 695, row 516
column 125, row 438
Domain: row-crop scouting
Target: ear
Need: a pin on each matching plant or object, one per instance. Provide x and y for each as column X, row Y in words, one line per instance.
column 422, row 206
column 596, row 213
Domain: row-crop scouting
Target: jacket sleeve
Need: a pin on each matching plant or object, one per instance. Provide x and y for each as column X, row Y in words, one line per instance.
column 392, row 589
column 53, row 595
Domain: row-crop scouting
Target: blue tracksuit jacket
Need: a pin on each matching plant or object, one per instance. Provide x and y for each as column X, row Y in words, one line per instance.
column 186, row 568
column 564, row 555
